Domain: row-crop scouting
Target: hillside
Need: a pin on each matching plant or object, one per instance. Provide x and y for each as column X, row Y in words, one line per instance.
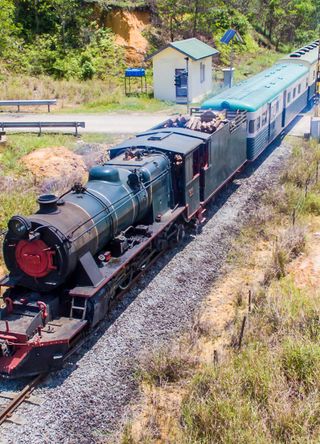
column 62, row 40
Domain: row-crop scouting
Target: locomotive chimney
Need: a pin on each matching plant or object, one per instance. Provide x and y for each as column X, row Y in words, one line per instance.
column 48, row 204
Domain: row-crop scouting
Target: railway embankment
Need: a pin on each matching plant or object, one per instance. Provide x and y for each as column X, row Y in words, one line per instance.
column 248, row 369
column 92, row 396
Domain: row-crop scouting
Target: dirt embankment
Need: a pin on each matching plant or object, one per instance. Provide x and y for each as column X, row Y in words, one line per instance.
column 128, row 27
column 54, row 163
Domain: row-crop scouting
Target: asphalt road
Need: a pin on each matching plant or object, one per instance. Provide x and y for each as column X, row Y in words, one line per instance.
column 111, row 123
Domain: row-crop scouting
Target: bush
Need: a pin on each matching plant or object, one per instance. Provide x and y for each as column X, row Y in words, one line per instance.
column 311, row 204
column 165, row 366
column 289, row 246
column 301, row 364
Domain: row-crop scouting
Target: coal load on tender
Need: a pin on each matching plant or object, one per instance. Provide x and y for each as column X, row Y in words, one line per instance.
column 207, row 122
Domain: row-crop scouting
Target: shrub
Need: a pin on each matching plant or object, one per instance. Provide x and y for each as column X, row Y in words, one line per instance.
column 289, row 246
column 301, row 363
column 166, row 366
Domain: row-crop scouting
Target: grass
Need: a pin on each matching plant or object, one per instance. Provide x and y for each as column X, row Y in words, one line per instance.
column 22, row 202
column 93, row 96
column 267, row 392
column 124, row 104
column 250, row 64
column 89, row 96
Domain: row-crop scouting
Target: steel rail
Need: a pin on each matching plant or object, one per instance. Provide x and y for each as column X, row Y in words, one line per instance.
column 7, row 412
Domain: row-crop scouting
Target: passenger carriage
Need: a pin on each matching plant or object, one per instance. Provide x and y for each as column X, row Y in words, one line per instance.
column 307, row 55
column 272, row 98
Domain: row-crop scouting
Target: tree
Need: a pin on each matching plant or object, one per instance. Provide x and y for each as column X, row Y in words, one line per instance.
column 8, row 27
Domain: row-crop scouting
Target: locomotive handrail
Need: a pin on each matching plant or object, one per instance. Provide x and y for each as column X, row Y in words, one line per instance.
column 114, row 210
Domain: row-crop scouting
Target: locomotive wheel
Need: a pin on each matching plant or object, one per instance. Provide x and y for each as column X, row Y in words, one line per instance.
column 127, row 281
column 181, row 233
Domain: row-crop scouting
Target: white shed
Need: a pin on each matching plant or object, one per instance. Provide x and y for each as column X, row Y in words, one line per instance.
column 174, row 59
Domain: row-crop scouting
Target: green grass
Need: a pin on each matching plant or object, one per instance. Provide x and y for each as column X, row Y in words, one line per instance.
column 123, row 104
column 249, row 64
column 16, row 202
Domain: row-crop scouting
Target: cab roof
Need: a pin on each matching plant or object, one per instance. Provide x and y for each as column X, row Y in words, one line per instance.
column 177, row 140
column 254, row 92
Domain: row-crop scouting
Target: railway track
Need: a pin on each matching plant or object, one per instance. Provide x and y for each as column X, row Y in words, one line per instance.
column 16, row 399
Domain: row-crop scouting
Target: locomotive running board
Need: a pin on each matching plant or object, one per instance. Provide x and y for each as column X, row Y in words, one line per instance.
column 111, row 269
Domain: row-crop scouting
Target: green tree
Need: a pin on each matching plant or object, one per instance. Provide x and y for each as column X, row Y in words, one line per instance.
column 8, row 28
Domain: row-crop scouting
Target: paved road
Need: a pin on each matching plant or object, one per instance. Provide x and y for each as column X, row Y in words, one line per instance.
column 124, row 123
column 111, row 123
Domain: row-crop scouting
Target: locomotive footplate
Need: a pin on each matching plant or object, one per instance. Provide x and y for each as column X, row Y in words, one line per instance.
column 141, row 239
column 44, row 352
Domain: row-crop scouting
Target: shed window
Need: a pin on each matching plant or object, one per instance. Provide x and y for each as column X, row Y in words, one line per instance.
column 202, row 72
column 251, row 126
column 264, row 118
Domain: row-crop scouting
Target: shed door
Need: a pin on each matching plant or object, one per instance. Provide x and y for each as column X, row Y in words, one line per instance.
column 182, row 91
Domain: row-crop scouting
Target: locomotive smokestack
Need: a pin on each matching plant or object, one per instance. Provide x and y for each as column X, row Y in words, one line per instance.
column 48, row 204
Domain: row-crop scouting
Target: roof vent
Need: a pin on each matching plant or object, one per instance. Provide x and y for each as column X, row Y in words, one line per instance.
column 159, row 136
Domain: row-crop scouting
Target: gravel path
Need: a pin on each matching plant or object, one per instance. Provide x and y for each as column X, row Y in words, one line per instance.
column 90, row 398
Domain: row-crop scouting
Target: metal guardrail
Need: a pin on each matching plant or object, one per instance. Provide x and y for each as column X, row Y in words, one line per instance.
column 19, row 103
column 42, row 125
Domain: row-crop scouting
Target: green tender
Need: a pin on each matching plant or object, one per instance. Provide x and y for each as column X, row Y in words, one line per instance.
column 251, row 94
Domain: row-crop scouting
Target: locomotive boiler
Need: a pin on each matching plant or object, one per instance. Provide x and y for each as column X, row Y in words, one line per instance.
column 43, row 250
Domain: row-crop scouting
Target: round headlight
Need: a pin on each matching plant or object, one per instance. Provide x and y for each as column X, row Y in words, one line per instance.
column 19, row 226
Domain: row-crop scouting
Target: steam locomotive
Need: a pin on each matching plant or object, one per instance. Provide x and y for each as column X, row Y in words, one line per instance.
column 70, row 261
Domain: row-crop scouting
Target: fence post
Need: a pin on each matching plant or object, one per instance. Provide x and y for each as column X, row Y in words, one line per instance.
column 242, row 331
column 249, row 301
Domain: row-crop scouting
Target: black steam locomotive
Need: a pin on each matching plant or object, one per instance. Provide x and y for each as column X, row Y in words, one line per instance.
column 70, row 260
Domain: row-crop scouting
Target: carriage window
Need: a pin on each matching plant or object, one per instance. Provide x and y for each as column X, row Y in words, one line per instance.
column 314, row 74
column 251, row 126
column 294, row 93
column 289, row 97
column 264, row 118
column 277, row 106
column 258, row 123
column 299, row 88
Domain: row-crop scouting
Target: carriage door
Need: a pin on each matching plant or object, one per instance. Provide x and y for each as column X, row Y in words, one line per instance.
column 272, row 109
column 192, row 176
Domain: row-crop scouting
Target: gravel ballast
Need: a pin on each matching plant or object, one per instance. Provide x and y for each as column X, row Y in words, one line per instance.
column 90, row 398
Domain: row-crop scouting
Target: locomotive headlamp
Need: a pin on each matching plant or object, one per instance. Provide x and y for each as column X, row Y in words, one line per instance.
column 19, row 226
